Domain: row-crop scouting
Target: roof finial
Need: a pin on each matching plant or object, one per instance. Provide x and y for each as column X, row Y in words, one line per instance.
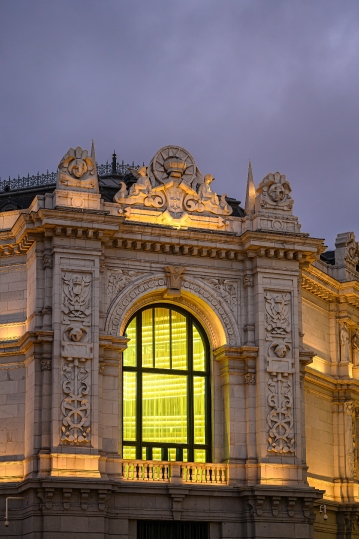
column 251, row 191
column 114, row 163
column 93, row 155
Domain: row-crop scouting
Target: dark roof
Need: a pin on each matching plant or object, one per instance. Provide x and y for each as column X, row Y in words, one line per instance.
column 18, row 193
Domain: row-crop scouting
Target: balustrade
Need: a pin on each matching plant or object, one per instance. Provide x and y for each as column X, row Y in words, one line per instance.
column 160, row 471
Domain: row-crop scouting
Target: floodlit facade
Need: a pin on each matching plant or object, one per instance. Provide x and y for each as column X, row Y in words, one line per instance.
column 171, row 364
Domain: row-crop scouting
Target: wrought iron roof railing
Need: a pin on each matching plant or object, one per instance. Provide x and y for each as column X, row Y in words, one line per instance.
column 41, row 180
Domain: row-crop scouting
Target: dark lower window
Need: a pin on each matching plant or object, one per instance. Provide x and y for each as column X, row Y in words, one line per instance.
column 147, row 529
column 166, row 396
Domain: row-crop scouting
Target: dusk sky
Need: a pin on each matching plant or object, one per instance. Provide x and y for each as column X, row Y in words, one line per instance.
column 274, row 81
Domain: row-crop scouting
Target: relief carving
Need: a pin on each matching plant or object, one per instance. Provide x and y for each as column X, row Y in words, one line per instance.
column 77, row 170
column 174, row 275
column 274, row 193
column 75, row 407
column 248, row 281
column 277, row 314
column 76, row 295
column 280, row 415
column 172, row 184
column 116, row 316
column 118, row 281
column 77, row 352
column 280, row 368
column 227, row 290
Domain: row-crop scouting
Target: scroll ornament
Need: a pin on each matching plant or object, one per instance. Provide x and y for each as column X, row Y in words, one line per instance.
column 172, row 183
column 76, row 356
column 77, row 171
column 280, row 373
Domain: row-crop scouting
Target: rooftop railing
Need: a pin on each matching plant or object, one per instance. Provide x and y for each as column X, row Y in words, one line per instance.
column 41, row 180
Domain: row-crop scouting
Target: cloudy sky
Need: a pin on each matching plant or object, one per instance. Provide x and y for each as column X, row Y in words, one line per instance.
column 275, row 81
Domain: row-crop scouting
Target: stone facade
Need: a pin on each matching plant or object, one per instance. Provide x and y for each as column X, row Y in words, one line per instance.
column 282, row 321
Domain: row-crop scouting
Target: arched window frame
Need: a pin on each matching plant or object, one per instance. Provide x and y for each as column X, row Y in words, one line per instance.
column 144, row 450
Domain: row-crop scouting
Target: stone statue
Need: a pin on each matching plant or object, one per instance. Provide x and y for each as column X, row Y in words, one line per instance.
column 355, row 346
column 205, row 193
column 344, row 343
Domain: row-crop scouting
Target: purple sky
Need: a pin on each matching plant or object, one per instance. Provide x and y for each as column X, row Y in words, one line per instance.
column 275, row 81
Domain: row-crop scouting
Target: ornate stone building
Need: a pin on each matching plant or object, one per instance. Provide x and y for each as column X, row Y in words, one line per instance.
column 172, row 365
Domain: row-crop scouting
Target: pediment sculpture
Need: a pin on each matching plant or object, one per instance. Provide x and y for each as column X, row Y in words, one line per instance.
column 77, row 171
column 173, row 184
column 274, row 193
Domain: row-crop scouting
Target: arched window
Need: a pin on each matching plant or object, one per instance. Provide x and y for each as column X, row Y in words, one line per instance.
column 166, row 393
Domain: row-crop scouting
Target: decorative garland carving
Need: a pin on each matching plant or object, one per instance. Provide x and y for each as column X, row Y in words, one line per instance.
column 280, row 416
column 77, row 351
column 280, row 368
column 227, row 290
column 76, row 406
column 120, row 307
column 118, row 281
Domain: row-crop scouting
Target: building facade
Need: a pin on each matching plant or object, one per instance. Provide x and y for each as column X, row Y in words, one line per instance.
column 172, row 365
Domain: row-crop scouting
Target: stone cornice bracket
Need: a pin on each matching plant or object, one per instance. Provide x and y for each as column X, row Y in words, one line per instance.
column 177, row 494
column 306, row 357
column 174, row 276
column 66, row 497
column 238, row 360
column 112, row 342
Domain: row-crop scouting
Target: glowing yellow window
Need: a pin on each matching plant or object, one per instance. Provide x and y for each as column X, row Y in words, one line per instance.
column 166, row 406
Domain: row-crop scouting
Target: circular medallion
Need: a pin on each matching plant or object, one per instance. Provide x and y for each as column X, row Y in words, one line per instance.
column 173, row 163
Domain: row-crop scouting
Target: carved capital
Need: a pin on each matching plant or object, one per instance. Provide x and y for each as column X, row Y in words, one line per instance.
column 46, row 364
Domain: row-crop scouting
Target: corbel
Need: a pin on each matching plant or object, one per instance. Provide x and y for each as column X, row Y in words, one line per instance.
column 291, row 506
column 259, row 505
column 275, row 505
column 103, row 496
column 85, row 493
column 66, row 497
column 177, row 495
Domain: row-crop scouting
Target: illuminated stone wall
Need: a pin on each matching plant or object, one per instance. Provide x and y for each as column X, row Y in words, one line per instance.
column 282, row 344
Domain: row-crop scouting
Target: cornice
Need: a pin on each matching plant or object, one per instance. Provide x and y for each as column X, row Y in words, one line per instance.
column 114, row 232
column 329, row 289
column 24, row 343
column 329, row 383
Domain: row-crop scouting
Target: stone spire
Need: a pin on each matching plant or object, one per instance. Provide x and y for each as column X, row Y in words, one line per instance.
column 93, row 156
column 251, row 191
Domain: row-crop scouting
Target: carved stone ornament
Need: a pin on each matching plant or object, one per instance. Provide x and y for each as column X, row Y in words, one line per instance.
column 171, row 163
column 355, row 346
column 174, row 275
column 274, row 193
column 174, row 187
column 280, row 415
column 279, row 357
column 122, row 308
column 77, row 352
column 75, row 407
column 280, row 368
column 227, row 290
column 248, row 281
column 77, row 171
column 346, row 249
column 277, row 321
column 118, row 281
column 47, row 261
column 250, row 378
column 76, row 295
column 344, row 343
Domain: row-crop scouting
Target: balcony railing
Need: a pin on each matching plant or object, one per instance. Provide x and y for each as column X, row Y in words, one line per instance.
column 165, row 472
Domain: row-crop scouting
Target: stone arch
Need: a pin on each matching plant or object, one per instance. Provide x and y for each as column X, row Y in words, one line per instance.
column 197, row 297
